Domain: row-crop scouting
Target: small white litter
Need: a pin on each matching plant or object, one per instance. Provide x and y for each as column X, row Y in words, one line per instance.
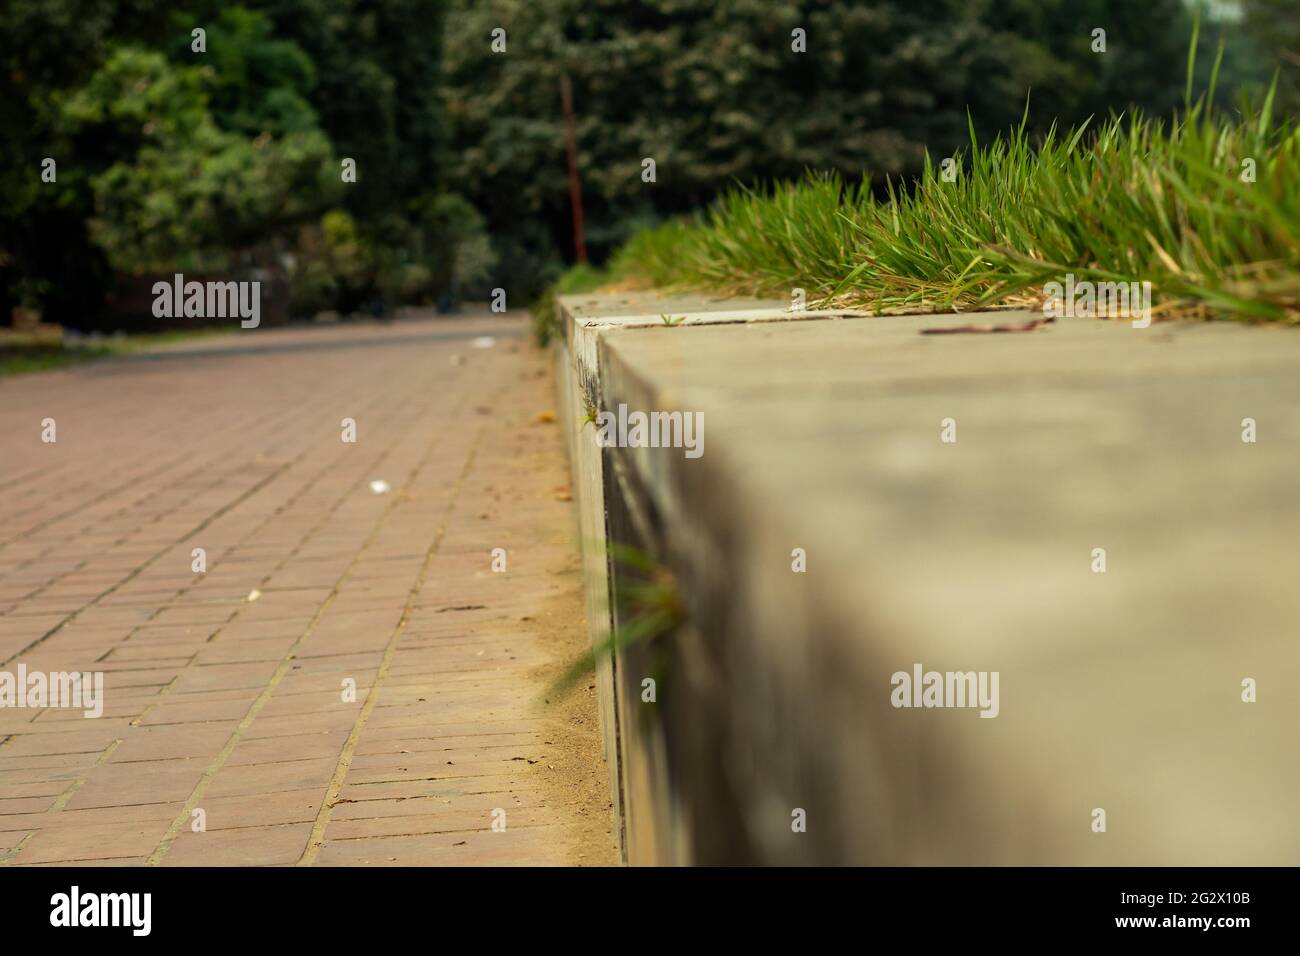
column 253, row 595
column 484, row 342
column 380, row 487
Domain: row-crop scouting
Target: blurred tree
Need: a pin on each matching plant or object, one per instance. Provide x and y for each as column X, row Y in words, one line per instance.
column 356, row 90
column 1274, row 26
column 169, row 157
column 715, row 93
column 170, row 188
column 378, row 93
column 227, row 154
column 257, row 82
column 49, row 47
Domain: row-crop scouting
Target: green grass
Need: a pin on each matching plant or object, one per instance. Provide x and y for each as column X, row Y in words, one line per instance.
column 650, row 605
column 20, row 354
column 1127, row 199
column 18, row 358
column 579, row 278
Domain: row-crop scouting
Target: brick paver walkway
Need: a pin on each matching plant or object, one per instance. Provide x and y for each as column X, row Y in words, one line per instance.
column 226, row 690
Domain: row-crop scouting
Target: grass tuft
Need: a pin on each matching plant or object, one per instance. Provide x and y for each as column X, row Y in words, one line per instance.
column 1129, row 199
column 579, row 278
column 21, row 353
column 650, row 605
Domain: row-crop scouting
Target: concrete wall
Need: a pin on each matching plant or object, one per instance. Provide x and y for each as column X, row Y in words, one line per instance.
column 1119, row 691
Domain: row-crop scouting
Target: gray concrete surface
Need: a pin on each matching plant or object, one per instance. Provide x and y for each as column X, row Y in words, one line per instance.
column 1119, row 691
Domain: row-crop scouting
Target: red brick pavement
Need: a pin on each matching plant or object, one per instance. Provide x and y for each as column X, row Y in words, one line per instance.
column 236, row 707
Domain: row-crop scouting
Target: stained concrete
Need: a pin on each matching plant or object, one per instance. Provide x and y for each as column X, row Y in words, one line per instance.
column 1119, row 691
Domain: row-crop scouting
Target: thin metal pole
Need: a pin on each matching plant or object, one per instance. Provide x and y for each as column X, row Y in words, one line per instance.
column 575, row 184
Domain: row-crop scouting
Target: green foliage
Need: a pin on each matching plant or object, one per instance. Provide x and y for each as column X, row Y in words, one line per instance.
column 50, row 47
column 20, row 354
column 376, row 89
column 1274, row 29
column 335, row 264
column 575, row 280
column 377, row 92
column 171, row 159
column 648, row 603
column 185, row 193
column 714, row 93
column 257, row 83
column 1133, row 200
column 463, row 250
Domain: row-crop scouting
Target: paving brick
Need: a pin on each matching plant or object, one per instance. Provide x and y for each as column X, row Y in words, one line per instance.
column 249, row 846
column 534, row 846
column 263, row 809
column 240, row 780
column 236, row 705
column 95, row 841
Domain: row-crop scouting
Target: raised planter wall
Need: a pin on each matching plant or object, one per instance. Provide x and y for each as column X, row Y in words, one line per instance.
column 1119, row 691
